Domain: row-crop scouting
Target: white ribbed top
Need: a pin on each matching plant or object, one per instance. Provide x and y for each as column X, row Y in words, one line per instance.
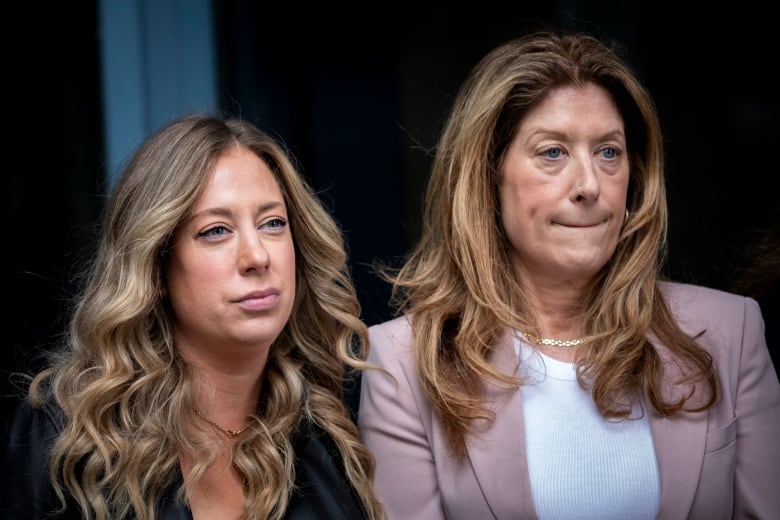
column 582, row 466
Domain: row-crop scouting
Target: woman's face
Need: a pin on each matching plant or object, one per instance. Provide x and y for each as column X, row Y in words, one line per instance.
column 563, row 185
column 231, row 274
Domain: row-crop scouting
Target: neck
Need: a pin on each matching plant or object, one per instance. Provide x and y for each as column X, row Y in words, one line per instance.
column 557, row 311
column 226, row 400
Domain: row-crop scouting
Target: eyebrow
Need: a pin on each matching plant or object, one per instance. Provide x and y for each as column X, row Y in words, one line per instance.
column 226, row 212
column 556, row 134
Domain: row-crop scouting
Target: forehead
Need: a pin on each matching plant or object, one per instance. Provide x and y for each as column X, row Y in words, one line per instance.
column 239, row 175
column 587, row 105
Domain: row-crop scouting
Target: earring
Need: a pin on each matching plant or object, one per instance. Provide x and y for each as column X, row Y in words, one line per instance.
column 625, row 220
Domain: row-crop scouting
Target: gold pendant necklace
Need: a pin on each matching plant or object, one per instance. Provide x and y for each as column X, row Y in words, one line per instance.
column 229, row 433
column 549, row 342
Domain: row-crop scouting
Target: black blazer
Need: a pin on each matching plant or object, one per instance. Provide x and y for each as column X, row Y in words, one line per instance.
column 322, row 489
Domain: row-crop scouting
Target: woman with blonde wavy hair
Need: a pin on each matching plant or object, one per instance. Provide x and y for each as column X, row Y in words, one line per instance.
column 541, row 366
column 202, row 374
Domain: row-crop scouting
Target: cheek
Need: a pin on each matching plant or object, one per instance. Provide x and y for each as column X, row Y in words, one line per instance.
column 616, row 193
column 197, row 274
column 284, row 261
column 290, row 269
column 517, row 222
column 511, row 205
column 523, row 203
column 285, row 268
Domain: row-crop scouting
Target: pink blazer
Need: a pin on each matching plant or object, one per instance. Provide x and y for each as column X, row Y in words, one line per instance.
column 720, row 464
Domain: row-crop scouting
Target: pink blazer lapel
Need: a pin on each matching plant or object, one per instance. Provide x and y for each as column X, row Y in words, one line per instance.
column 498, row 455
column 679, row 448
column 680, row 445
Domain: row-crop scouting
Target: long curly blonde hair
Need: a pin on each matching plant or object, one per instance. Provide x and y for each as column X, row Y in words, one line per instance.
column 457, row 283
column 125, row 391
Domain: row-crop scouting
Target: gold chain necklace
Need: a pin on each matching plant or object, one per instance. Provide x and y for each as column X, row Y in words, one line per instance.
column 549, row 342
column 229, row 433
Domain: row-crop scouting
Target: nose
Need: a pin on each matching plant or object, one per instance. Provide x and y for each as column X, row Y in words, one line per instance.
column 252, row 253
column 585, row 181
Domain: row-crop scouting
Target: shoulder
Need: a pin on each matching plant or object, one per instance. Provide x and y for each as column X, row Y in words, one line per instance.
column 730, row 326
column 27, row 430
column 391, row 339
column 397, row 330
column 22, row 419
column 25, row 442
column 322, row 489
column 705, row 307
column 680, row 294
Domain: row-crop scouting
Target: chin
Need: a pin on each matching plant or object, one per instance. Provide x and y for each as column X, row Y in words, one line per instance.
column 579, row 269
column 252, row 338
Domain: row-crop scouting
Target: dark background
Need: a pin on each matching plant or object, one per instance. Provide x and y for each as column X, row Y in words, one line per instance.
column 358, row 95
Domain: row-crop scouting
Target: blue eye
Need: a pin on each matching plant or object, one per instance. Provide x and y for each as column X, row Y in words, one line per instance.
column 274, row 223
column 610, row 152
column 216, row 231
column 552, row 153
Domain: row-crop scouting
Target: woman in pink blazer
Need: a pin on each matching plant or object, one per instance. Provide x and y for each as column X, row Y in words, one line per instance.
column 541, row 367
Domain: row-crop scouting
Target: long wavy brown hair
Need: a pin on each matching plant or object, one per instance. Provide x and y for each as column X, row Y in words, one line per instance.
column 125, row 391
column 457, row 283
